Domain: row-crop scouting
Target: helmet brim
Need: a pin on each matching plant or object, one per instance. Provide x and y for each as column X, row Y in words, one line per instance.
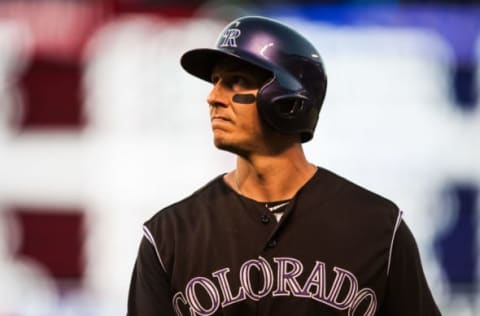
column 200, row 62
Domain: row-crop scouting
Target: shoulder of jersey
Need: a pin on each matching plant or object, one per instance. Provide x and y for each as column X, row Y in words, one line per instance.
column 350, row 191
column 188, row 203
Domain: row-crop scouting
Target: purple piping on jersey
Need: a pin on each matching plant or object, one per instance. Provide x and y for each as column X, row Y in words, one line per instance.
column 150, row 238
column 397, row 223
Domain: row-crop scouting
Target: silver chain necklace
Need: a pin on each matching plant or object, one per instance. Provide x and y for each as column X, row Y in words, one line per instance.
column 270, row 208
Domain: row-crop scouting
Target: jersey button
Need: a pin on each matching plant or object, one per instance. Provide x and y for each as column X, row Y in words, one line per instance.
column 265, row 219
column 272, row 243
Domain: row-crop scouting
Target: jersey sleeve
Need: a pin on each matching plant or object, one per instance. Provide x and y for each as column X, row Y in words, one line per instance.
column 149, row 293
column 407, row 291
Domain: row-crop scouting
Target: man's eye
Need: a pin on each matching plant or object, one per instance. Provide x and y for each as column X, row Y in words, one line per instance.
column 239, row 81
column 214, row 79
column 235, row 79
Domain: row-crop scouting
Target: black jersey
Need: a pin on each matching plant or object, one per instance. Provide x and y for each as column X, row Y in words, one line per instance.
column 338, row 250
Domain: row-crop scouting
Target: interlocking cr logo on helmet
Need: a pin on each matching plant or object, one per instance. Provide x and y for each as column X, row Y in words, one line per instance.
column 289, row 103
column 229, row 38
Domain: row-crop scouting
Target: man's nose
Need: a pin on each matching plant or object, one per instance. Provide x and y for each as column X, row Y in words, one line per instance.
column 218, row 95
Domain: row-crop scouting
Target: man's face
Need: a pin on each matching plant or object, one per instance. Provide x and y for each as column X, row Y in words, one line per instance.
column 236, row 125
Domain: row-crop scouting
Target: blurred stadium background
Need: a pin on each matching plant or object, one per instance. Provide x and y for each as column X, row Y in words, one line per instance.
column 100, row 128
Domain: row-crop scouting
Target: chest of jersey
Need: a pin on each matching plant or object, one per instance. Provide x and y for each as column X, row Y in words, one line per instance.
column 235, row 259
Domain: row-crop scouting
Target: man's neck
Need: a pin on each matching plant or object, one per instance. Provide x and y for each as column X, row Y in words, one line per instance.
column 271, row 178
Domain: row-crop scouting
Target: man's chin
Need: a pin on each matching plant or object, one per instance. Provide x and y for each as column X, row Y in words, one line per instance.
column 227, row 146
column 223, row 145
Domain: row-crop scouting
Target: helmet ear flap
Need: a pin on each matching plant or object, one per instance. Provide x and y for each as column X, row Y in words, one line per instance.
column 284, row 110
column 289, row 106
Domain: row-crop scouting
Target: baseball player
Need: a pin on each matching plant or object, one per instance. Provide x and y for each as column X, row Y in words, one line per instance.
column 277, row 235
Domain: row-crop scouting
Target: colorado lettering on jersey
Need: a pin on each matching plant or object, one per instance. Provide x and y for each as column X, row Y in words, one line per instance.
column 288, row 270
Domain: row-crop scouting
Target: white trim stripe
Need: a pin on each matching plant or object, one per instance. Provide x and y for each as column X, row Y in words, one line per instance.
column 149, row 236
column 397, row 223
